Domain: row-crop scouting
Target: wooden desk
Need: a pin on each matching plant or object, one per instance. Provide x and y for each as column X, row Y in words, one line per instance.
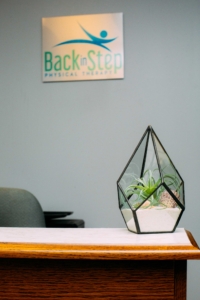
column 94, row 263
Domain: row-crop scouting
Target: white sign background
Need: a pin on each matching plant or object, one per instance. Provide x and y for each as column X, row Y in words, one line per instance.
column 85, row 47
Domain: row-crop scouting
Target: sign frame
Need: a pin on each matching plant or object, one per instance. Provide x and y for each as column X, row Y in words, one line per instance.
column 83, row 47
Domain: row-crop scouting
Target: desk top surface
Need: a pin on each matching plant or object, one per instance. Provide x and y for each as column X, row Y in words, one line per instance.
column 96, row 243
column 91, row 236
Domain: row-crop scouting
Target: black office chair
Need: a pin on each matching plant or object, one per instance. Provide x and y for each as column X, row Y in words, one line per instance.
column 20, row 208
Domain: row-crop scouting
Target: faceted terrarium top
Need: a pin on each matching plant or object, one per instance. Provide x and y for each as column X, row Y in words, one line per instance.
column 150, row 189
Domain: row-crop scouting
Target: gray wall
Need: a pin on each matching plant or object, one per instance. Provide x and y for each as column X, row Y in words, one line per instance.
column 68, row 142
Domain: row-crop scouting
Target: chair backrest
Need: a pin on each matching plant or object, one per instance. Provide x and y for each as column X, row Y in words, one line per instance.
column 20, row 208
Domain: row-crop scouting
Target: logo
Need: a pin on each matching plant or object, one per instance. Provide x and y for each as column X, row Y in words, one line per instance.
column 87, row 47
column 93, row 40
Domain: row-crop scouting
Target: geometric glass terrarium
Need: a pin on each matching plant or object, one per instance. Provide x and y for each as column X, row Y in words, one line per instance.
column 150, row 189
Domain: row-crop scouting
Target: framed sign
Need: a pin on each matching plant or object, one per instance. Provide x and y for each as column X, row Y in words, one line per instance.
column 85, row 47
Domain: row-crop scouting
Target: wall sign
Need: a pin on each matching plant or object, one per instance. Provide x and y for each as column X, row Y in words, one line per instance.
column 86, row 47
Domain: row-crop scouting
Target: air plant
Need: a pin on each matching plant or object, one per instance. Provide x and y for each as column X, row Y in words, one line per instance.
column 150, row 189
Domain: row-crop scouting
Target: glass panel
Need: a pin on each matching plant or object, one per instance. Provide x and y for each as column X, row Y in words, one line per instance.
column 129, row 219
column 122, row 200
column 151, row 161
column 169, row 173
column 126, row 212
column 181, row 194
column 134, row 167
column 160, row 215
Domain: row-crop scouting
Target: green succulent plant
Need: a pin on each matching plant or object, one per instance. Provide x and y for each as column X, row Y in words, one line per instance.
column 149, row 188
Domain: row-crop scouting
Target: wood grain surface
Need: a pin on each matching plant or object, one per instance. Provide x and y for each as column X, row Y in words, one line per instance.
column 180, row 279
column 72, row 279
column 95, row 271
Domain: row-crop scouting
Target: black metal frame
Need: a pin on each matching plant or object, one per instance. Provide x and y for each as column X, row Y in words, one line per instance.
column 150, row 132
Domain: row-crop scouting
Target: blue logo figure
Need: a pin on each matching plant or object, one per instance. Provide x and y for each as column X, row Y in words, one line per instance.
column 93, row 40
